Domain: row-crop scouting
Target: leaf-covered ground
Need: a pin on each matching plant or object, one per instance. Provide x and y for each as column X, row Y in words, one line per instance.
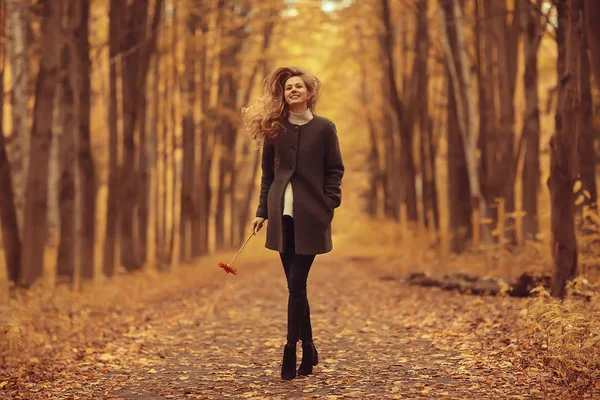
column 377, row 338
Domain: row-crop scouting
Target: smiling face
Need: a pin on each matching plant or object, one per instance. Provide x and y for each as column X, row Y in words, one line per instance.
column 296, row 94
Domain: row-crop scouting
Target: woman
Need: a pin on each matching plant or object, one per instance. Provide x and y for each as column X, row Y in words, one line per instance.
column 302, row 171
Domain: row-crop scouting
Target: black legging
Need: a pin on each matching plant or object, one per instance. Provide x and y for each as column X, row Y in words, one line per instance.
column 296, row 267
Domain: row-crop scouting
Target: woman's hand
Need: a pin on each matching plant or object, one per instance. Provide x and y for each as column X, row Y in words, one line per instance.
column 257, row 224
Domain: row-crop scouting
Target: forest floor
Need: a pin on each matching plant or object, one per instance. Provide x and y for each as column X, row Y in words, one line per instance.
column 222, row 337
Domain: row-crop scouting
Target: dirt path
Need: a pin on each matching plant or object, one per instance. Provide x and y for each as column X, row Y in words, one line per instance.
column 377, row 338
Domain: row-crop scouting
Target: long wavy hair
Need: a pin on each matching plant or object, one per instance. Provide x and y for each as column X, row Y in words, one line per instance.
column 264, row 117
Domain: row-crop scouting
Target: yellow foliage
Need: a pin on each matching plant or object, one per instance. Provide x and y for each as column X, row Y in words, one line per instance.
column 566, row 335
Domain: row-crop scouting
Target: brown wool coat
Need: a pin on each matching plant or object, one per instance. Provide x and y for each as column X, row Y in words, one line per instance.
column 310, row 156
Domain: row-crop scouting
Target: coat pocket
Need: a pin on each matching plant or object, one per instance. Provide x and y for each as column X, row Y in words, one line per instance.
column 328, row 209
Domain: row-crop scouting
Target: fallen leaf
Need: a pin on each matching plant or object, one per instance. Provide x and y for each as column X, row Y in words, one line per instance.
column 106, row 357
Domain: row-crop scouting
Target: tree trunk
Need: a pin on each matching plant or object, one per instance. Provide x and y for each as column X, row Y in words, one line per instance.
column 159, row 117
column 8, row 214
column 406, row 163
column 506, row 86
column 221, row 195
column 152, row 158
column 513, row 32
column 161, row 165
column 18, row 13
column 54, row 171
column 144, row 179
column 86, row 169
column 563, row 156
column 67, row 153
column 459, row 193
column 116, row 12
column 208, row 143
column 34, row 235
column 162, row 157
column 135, row 70
column 375, row 174
column 144, row 167
column 199, row 222
column 391, row 202
column 176, row 147
column 373, row 159
column 137, row 15
column 587, row 135
column 227, row 136
column 488, row 130
column 176, row 143
column 561, row 60
column 227, row 128
column 430, row 187
column 209, row 67
column 468, row 133
column 167, row 202
column 531, row 127
column 592, row 18
column 460, row 77
column 421, row 103
column 189, row 138
column 501, row 39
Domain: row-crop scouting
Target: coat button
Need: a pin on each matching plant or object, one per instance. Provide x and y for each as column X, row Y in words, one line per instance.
column 293, row 148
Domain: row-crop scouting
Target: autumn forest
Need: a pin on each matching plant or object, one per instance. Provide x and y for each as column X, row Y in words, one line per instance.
column 469, row 131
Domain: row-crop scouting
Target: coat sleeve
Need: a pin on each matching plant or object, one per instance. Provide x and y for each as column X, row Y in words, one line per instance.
column 334, row 169
column 266, row 179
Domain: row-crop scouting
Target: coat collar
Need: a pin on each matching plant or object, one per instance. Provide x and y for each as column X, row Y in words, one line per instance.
column 288, row 125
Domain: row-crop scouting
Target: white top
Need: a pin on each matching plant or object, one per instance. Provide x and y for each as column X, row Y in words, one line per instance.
column 288, row 198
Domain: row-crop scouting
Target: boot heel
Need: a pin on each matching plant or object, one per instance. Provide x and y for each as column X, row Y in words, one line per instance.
column 288, row 365
column 309, row 358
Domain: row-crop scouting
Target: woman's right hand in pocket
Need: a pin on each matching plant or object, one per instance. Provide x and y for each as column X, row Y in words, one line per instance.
column 257, row 224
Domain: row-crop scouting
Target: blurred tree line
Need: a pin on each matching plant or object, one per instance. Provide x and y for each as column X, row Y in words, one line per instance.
column 175, row 85
column 449, row 72
column 121, row 144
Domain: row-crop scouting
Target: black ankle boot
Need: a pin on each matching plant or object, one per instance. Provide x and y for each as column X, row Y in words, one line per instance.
column 310, row 357
column 288, row 365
